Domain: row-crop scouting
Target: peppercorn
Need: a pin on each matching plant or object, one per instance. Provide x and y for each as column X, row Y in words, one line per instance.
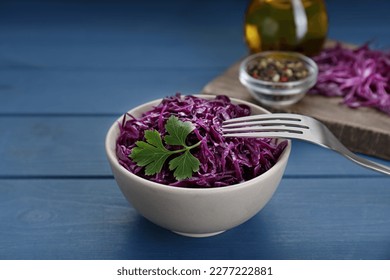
column 277, row 70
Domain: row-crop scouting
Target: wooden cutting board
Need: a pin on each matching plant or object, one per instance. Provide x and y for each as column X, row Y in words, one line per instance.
column 362, row 130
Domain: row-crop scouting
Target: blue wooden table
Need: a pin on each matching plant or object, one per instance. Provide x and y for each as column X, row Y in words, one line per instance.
column 68, row 69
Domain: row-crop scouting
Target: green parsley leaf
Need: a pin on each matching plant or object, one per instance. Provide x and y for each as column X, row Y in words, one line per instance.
column 152, row 154
column 177, row 131
column 184, row 165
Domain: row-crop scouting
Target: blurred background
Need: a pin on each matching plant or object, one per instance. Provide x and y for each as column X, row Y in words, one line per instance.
column 121, row 45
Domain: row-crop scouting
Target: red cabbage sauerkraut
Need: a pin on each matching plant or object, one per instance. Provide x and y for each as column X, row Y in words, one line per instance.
column 361, row 76
column 223, row 161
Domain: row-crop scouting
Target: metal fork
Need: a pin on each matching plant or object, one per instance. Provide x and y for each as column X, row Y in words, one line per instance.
column 293, row 126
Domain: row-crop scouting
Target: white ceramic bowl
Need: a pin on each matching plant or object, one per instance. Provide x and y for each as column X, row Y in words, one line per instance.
column 189, row 211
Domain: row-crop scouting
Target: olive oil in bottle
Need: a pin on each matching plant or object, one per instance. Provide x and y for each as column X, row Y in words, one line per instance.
column 289, row 25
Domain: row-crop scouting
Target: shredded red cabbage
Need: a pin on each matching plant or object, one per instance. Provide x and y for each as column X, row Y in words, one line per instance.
column 361, row 76
column 223, row 161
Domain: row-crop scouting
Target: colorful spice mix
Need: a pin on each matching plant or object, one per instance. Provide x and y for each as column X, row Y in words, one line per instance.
column 277, row 70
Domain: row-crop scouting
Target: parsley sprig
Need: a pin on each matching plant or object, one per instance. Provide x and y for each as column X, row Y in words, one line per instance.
column 153, row 154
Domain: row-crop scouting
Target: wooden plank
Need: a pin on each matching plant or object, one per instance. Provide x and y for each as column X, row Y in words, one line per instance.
column 122, row 55
column 73, row 146
column 363, row 130
column 54, row 146
column 68, row 219
column 125, row 35
column 90, row 219
column 99, row 91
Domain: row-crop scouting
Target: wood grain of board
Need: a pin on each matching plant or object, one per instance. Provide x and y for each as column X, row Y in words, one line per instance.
column 90, row 219
column 363, row 130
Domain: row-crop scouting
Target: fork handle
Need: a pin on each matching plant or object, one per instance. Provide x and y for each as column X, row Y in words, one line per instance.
column 334, row 144
column 366, row 163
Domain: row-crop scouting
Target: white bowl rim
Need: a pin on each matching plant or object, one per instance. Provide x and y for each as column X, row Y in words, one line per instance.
column 114, row 160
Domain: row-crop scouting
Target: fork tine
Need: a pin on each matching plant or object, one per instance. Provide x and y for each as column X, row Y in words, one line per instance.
column 282, row 116
column 269, row 134
column 253, row 129
column 265, row 123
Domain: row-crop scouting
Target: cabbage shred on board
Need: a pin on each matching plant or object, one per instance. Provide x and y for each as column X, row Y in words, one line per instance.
column 223, row 161
column 361, row 76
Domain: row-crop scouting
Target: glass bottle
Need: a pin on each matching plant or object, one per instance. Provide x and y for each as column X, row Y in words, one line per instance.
column 290, row 25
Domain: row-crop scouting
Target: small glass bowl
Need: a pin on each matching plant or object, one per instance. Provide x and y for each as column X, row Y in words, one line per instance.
column 278, row 94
